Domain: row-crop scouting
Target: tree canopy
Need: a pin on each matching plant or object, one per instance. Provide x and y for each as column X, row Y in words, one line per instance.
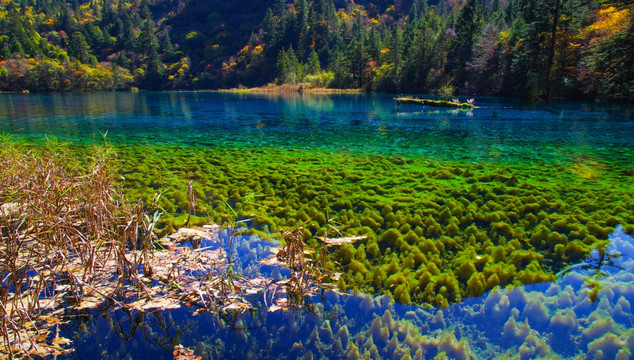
column 574, row 49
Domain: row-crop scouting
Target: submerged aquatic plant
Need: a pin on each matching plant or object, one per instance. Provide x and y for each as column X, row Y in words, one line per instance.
column 598, row 266
column 191, row 205
column 513, row 222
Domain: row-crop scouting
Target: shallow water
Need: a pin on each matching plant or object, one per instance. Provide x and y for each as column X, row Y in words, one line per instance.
column 578, row 157
column 554, row 320
column 498, row 130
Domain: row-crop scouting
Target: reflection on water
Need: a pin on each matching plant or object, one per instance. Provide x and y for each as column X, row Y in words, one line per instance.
column 562, row 320
column 498, row 130
column 588, row 311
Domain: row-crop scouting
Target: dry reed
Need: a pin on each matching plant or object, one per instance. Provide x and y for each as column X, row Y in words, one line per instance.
column 62, row 220
column 69, row 240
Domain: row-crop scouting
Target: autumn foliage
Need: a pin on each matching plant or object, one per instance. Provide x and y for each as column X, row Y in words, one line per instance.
column 531, row 49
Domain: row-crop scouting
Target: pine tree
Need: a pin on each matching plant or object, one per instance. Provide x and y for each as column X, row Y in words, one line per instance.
column 302, row 28
column 79, row 48
column 146, row 41
column 293, row 75
column 117, row 81
column 395, row 45
column 155, row 73
column 126, row 36
column 282, row 67
column 20, row 38
column 357, row 60
column 288, row 67
column 166, row 47
column 5, row 52
column 460, row 49
column 313, row 66
column 269, row 27
column 107, row 39
column 418, row 10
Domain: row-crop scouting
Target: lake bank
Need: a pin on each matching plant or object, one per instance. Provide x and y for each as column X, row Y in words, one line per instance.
column 291, row 89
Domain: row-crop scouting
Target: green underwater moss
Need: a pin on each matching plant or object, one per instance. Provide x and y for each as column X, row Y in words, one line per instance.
column 449, row 229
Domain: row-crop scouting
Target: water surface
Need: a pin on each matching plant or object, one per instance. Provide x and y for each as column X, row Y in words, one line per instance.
column 576, row 157
column 498, row 130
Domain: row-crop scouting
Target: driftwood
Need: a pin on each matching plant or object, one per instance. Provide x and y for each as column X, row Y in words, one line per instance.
column 341, row 240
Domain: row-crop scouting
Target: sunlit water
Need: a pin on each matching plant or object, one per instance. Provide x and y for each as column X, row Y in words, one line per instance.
column 499, row 129
column 569, row 318
column 586, row 313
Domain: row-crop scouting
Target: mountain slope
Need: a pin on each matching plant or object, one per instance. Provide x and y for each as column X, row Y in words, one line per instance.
column 530, row 49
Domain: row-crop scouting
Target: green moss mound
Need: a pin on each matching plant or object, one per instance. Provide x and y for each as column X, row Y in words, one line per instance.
column 438, row 231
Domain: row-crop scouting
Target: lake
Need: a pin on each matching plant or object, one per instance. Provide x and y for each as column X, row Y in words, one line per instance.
column 503, row 231
column 498, row 130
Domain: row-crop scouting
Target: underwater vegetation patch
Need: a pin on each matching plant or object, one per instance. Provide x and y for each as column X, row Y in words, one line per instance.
column 437, row 232
column 559, row 320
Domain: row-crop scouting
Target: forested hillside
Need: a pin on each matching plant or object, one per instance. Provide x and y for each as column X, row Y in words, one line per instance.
column 576, row 49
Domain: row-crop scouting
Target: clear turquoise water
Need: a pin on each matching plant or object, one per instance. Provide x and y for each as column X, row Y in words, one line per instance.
column 506, row 323
column 499, row 130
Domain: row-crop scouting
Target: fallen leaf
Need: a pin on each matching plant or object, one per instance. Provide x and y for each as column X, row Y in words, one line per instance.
column 61, row 341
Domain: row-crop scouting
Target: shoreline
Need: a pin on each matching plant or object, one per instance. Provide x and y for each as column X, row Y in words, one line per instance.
column 290, row 89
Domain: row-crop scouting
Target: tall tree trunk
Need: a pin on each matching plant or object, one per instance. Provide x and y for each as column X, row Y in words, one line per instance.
column 551, row 52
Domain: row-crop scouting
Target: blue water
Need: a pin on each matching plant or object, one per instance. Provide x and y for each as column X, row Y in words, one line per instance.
column 554, row 320
column 586, row 313
column 499, row 129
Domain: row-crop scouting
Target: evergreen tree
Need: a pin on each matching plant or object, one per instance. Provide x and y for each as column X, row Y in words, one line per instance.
column 302, row 28
column 527, row 48
column 374, row 44
column 117, row 82
column 487, row 64
column 126, row 36
column 282, row 67
column 165, row 46
column 288, row 67
column 92, row 34
column 418, row 10
column 531, row 32
column 108, row 15
column 107, row 39
column 357, row 57
column 67, row 20
column 146, row 42
column 123, row 60
column 460, row 49
column 394, row 56
column 294, row 73
column 5, row 51
column 155, row 72
column 269, row 27
column 313, row 66
column 20, row 38
column 342, row 78
column 612, row 59
column 79, row 48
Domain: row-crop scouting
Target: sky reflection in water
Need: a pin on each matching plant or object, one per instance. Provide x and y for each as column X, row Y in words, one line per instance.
column 561, row 319
column 587, row 311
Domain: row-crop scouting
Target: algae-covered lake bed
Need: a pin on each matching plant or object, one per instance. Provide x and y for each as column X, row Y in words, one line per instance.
column 484, row 230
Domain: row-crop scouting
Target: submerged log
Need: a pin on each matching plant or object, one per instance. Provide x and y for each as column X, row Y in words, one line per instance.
column 435, row 103
column 341, row 240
